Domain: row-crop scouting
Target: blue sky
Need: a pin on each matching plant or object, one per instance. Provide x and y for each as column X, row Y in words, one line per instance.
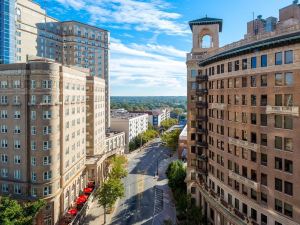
column 150, row 38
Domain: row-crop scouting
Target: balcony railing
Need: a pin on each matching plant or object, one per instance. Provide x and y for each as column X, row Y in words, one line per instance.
column 201, row 104
column 202, row 118
column 284, row 110
column 193, row 56
column 202, row 144
column 249, row 183
column 220, row 106
column 202, row 91
column 202, row 78
column 243, row 144
column 202, row 130
column 202, row 158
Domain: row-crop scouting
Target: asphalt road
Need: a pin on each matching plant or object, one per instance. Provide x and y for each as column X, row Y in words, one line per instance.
column 142, row 198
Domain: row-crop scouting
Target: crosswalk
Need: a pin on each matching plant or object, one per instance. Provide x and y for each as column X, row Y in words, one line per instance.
column 158, row 201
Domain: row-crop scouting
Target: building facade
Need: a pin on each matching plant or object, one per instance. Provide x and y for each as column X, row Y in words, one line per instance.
column 243, row 121
column 132, row 124
column 29, row 32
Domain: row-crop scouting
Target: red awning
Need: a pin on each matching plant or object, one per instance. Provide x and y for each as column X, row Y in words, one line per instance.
column 72, row 211
column 91, row 184
column 88, row 190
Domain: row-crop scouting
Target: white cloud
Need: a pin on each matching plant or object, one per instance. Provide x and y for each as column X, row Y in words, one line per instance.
column 142, row 66
column 143, row 16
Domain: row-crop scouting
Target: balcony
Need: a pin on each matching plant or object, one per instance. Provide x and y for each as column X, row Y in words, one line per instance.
column 3, row 103
column 202, row 158
column 202, row 144
column 202, row 78
column 202, row 91
column 283, row 110
column 193, row 56
column 202, row 131
column 220, row 106
column 201, row 104
column 202, row 118
column 16, row 103
column 243, row 144
column 249, row 183
column 222, row 206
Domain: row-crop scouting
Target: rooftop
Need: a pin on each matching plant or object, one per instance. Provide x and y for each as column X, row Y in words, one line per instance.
column 183, row 134
column 205, row 21
column 126, row 115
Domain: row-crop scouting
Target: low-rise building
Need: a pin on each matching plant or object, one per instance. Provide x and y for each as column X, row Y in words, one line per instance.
column 132, row 124
column 182, row 144
column 156, row 116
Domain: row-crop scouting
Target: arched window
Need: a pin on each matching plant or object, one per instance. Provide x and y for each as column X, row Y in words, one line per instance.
column 206, row 41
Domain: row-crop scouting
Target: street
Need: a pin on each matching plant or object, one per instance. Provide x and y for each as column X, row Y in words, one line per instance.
column 143, row 199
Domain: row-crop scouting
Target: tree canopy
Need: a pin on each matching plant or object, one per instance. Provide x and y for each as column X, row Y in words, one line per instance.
column 14, row 213
column 142, row 138
column 166, row 124
column 171, row 138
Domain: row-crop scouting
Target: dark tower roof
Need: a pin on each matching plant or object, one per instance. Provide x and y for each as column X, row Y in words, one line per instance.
column 206, row 21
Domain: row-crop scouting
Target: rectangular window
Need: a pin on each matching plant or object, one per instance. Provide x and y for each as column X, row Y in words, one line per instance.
column 263, row 119
column 229, row 67
column 264, row 179
column 288, row 210
column 278, row 142
column 253, row 118
column 193, row 73
column 244, row 64
column 244, row 81
column 288, row 188
column 278, row 79
column 263, row 81
column 278, row 58
column 278, row 184
column 264, row 61
column 253, row 81
column 236, row 65
column 278, row 205
column 263, row 100
column 263, row 139
column 253, row 62
column 263, row 219
column 288, row 57
column 278, row 163
column 288, row 166
column 253, row 100
column 288, row 79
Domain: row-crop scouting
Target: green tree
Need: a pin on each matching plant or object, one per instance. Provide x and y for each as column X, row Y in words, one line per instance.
column 176, row 174
column 13, row 213
column 166, row 124
column 171, row 139
column 118, row 171
column 108, row 194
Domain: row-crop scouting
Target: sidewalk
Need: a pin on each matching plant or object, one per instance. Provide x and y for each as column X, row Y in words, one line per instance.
column 95, row 215
column 169, row 210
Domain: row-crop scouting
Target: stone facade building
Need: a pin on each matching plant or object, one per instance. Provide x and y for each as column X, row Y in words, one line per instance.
column 243, row 121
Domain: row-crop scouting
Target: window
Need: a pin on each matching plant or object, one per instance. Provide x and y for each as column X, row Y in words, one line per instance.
column 264, row 159
column 3, row 143
column 17, row 174
column 32, row 84
column 3, row 114
column 264, row 219
column 47, row 115
column 285, row 122
column 33, row 100
column 236, row 65
column 244, row 81
column 47, row 190
column 278, row 184
column 286, row 79
column 17, row 159
column 278, row 163
column 33, row 161
column 244, row 64
column 263, row 100
column 288, row 166
column 253, row 118
column 33, row 145
column 47, row 145
column 33, row 176
column 253, row 214
column 264, row 61
column 17, row 189
column 253, row 62
column 17, row 144
column 264, row 179
column 33, row 130
column 288, row 210
column 288, row 57
column 263, row 119
column 193, row 73
column 278, row 205
column 3, row 99
column 4, row 84
column 16, row 84
column 278, row 58
column 288, row 188
column 253, row 81
column 17, row 114
column 253, row 100
column 264, row 197
column 47, row 84
column 47, row 175
column 33, row 115
column 47, row 160
column 194, row 86
column 263, row 81
column 229, row 67
column 3, row 129
column 4, row 158
column 5, row 188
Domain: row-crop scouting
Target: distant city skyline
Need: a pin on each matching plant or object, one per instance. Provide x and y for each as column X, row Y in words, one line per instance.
column 150, row 39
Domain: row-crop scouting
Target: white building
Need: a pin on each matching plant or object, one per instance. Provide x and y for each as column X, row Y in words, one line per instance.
column 132, row 124
column 158, row 115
